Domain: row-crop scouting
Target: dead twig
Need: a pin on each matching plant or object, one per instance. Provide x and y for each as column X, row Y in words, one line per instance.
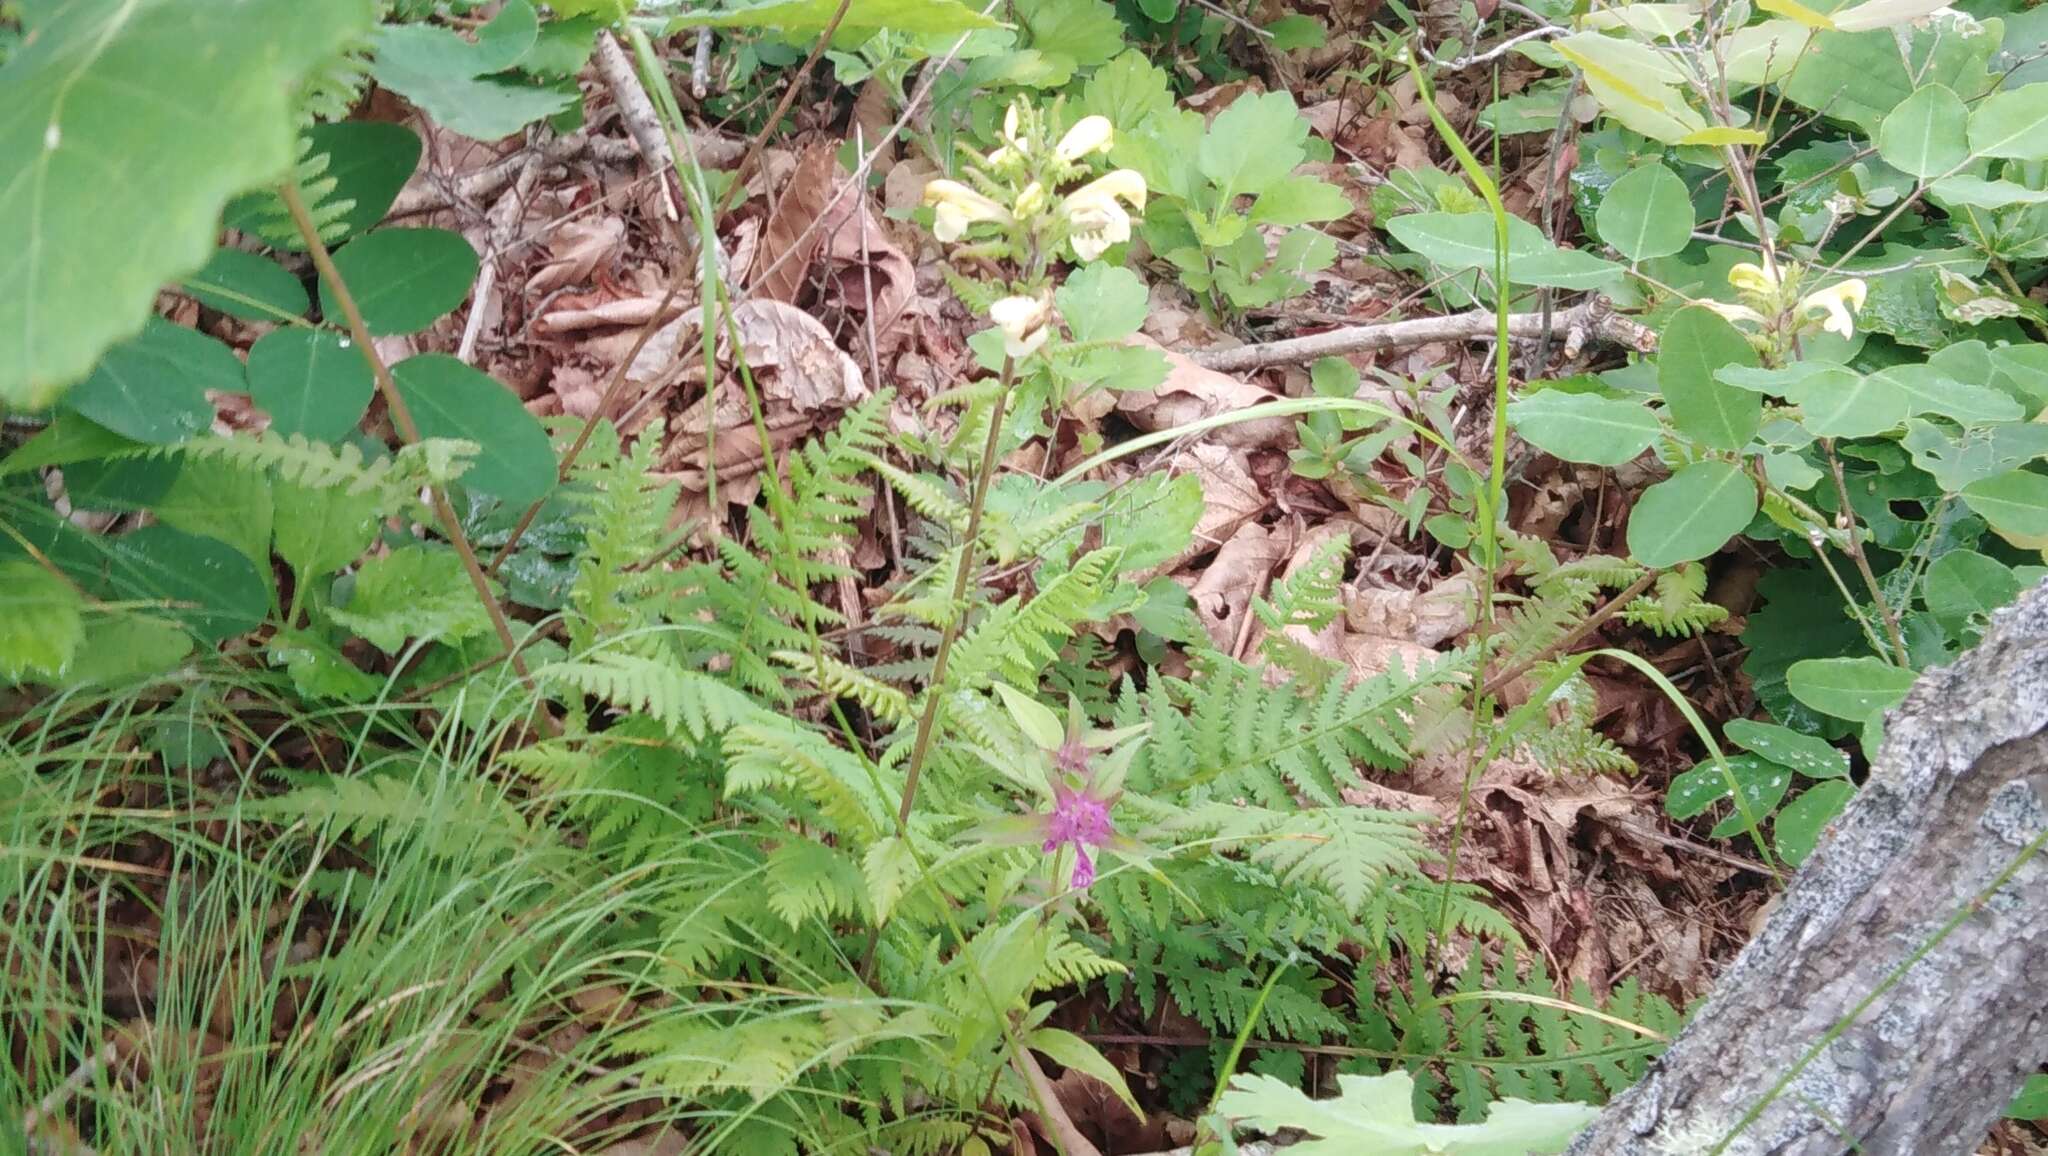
column 1592, row 318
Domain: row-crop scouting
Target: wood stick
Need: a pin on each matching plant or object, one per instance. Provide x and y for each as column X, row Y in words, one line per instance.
column 1594, row 317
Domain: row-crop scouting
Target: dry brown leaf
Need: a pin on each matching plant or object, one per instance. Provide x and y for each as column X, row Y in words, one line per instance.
column 1191, row 393
column 1223, row 593
column 866, row 262
column 782, row 261
column 575, row 249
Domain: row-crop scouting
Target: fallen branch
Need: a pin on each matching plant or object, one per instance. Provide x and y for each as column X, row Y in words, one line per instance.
column 643, row 124
column 1593, row 318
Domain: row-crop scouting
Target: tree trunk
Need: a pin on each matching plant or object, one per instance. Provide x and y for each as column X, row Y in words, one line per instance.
column 1899, row 995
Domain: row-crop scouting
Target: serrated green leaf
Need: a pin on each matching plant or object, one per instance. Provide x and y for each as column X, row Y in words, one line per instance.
column 1584, row 427
column 415, row 592
column 310, row 382
column 1103, row 302
column 41, row 622
column 128, row 125
column 1690, row 514
column 451, row 400
column 402, row 280
column 1697, row 345
column 217, row 499
column 1647, row 213
column 320, row 531
column 1848, row 688
column 120, row 648
column 1254, row 145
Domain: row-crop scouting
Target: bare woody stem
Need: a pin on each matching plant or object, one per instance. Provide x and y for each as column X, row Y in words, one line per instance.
column 401, row 417
column 1854, row 548
column 984, row 472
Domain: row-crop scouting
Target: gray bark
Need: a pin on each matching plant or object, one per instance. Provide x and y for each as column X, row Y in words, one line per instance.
column 1945, row 833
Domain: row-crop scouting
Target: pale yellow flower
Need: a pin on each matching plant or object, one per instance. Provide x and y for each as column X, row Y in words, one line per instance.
column 1096, row 218
column 1012, row 149
column 1025, row 322
column 1753, row 279
column 1840, row 302
column 960, row 207
column 1733, row 312
column 1092, row 134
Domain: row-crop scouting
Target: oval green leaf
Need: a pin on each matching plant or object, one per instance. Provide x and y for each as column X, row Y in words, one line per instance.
column 127, row 128
column 1584, row 427
column 1647, row 213
column 1926, row 135
column 403, row 280
column 1690, row 514
column 450, row 400
column 1810, row 756
column 152, row 388
column 310, row 381
column 1798, row 827
column 2015, row 503
column 1848, row 688
column 2012, row 124
column 1696, row 345
column 1962, row 585
column 205, row 585
column 248, row 285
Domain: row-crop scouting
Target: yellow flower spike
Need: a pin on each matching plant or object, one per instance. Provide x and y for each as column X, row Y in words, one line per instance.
column 1752, row 279
column 1092, row 134
column 1013, row 149
column 1025, row 322
column 1095, row 218
column 960, row 207
column 1840, row 302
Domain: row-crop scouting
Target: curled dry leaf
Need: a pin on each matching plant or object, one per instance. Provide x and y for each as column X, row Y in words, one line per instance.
column 575, row 249
column 1223, row 593
column 863, row 260
column 802, row 376
column 781, row 260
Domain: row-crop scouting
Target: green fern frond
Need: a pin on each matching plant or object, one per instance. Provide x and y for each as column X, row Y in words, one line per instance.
column 686, row 701
column 839, row 680
column 1677, row 604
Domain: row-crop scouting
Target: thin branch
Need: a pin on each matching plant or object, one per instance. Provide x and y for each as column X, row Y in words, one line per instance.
column 1594, row 317
column 401, row 417
column 1065, row 1135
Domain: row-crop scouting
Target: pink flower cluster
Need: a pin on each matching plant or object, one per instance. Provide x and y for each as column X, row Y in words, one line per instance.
column 1080, row 820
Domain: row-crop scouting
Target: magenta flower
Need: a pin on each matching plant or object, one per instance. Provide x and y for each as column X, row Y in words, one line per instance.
column 1081, row 821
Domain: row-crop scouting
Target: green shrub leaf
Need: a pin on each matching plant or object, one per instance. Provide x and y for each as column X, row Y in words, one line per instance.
column 1696, row 345
column 310, row 382
column 1690, row 514
column 1584, row 427
column 1848, row 688
column 129, row 124
column 152, row 387
column 1926, row 135
column 450, row 400
column 1646, row 214
column 1798, row 827
column 248, row 285
column 402, row 280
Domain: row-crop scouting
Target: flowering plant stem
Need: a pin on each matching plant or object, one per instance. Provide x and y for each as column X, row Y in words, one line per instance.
column 984, row 472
